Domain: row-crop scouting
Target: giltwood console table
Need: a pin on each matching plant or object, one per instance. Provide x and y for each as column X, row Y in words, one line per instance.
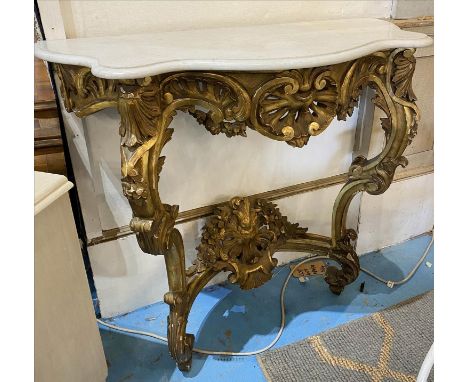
column 288, row 82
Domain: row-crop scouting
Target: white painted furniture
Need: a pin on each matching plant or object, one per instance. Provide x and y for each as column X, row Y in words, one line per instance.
column 67, row 344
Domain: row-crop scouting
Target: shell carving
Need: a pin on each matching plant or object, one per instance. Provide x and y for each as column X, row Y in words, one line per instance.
column 297, row 104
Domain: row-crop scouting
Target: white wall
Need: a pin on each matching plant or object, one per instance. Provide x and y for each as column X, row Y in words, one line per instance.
column 406, row 208
column 402, row 9
column 200, row 169
column 99, row 18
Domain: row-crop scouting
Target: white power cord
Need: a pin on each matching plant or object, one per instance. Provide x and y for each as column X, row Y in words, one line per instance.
column 226, row 353
column 427, row 365
column 389, row 283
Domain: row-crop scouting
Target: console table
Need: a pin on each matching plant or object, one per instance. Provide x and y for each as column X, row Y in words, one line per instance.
column 288, row 82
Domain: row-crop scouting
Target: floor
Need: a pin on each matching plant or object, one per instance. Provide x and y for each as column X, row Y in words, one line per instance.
column 226, row 318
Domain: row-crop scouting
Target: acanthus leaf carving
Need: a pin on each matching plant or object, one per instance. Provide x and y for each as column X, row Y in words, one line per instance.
column 402, row 77
column 140, row 107
column 242, row 237
column 230, row 129
column 400, row 82
column 218, row 102
column 344, row 254
column 180, row 343
column 356, row 76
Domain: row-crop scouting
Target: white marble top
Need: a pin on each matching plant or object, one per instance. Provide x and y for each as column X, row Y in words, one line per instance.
column 261, row 47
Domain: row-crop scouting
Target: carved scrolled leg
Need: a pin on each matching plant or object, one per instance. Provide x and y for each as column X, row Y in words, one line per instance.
column 395, row 97
column 144, row 129
column 184, row 287
column 343, row 253
column 146, row 112
column 180, row 343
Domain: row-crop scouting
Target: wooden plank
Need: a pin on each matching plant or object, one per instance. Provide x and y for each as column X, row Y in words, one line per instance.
column 52, row 162
column 423, row 21
column 48, row 146
column 43, row 92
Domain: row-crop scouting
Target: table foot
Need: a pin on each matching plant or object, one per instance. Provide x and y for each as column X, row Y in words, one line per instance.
column 180, row 342
column 343, row 254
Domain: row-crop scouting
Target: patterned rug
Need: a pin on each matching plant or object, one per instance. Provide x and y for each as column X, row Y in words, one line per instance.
column 387, row 346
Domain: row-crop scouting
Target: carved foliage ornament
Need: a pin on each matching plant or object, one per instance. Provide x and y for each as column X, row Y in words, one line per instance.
column 225, row 102
column 394, row 90
column 241, row 237
column 139, row 105
column 356, row 75
column 289, row 105
column 82, row 92
column 343, row 253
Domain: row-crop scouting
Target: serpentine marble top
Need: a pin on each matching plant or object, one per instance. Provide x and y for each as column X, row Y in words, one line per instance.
column 243, row 48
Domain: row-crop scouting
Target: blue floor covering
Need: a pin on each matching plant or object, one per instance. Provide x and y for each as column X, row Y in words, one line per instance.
column 227, row 318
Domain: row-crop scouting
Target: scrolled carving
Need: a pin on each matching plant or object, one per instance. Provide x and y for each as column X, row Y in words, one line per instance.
column 135, row 188
column 399, row 82
column 144, row 130
column 154, row 235
column 344, row 254
column 379, row 177
column 82, row 92
column 225, row 102
column 241, row 238
column 180, row 343
column 296, row 104
column 402, row 75
column 390, row 74
column 358, row 74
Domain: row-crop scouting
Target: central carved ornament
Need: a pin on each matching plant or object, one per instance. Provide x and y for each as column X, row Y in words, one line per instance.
column 241, row 238
column 298, row 104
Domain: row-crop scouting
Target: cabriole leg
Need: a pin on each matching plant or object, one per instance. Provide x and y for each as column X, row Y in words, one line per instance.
column 180, row 343
column 395, row 97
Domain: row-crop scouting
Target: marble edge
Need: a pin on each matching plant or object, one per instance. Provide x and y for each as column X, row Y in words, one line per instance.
column 419, row 40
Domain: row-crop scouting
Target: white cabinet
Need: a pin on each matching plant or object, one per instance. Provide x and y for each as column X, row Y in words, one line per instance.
column 67, row 344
